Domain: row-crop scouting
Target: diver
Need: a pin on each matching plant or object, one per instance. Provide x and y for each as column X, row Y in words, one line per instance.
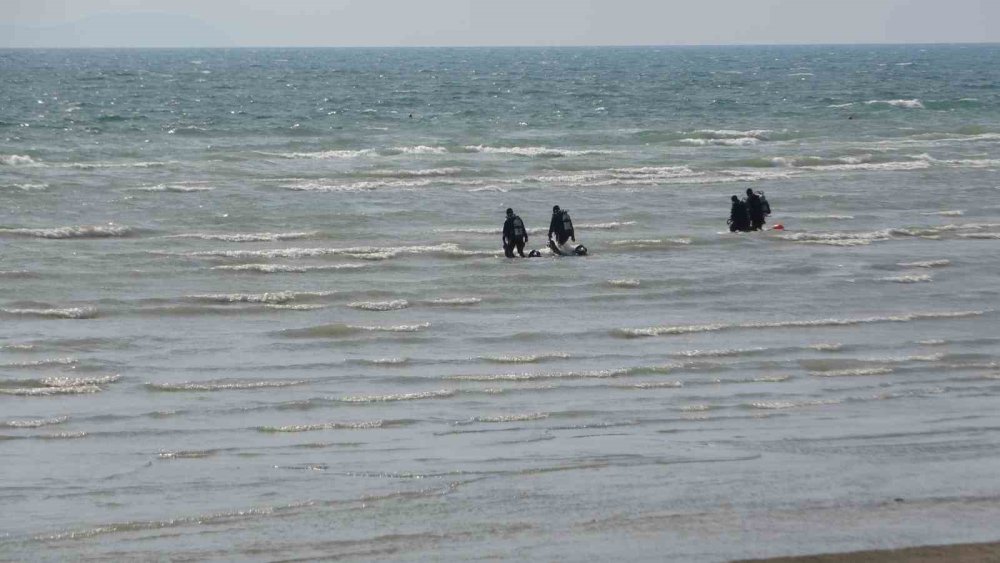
column 515, row 236
column 739, row 219
column 755, row 207
column 561, row 226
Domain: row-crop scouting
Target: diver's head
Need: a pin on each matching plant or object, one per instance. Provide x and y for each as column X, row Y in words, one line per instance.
column 735, row 199
column 510, row 212
column 555, row 209
column 749, row 191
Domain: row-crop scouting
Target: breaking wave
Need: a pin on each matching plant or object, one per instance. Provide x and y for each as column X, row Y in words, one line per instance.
column 365, row 425
column 54, row 313
column 223, row 385
column 16, row 160
column 394, row 305
column 691, row 329
column 544, row 152
column 87, row 231
column 908, row 104
column 287, row 268
column 440, row 394
column 33, row 422
column 247, row 237
column 910, row 278
column 342, row 330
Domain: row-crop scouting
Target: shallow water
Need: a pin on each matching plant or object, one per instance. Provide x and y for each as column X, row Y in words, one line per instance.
column 250, row 308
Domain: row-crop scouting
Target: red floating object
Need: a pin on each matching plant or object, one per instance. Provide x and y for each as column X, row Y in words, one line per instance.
column 778, row 227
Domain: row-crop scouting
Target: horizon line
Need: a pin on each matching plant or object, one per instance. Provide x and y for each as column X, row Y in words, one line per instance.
column 511, row 46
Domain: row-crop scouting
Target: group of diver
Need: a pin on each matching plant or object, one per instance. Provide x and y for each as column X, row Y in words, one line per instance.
column 515, row 234
column 748, row 214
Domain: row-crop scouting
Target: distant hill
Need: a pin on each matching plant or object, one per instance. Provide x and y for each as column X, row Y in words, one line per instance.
column 130, row 29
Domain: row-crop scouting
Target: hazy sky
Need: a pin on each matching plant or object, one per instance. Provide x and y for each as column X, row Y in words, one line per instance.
column 176, row 23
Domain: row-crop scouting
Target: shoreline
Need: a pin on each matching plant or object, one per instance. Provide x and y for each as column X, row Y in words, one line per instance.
column 956, row 553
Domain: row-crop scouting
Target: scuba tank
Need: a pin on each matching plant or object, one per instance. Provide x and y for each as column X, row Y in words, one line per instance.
column 518, row 226
column 567, row 222
column 764, row 205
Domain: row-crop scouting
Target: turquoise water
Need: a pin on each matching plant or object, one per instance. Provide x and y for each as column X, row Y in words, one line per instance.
column 253, row 303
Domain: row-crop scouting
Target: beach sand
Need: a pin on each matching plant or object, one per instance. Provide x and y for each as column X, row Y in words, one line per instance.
column 959, row 553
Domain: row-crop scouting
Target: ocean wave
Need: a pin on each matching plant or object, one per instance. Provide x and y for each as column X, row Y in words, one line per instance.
column 301, row 307
column 525, row 359
column 29, row 187
column 33, row 422
column 247, row 237
column 646, row 244
column 908, row 104
column 175, row 188
column 360, row 252
column 16, row 160
column 223, row 385
column 419, row 149
column 365, row 425
column 447, row 171
column 606, row 226
column 287, row 268
column 981, row 236
column 325, row 155
column 97, row 165
column 369, row 185
column 822, row 217
column 54, row 313
column 857, row 372
column 629, row 282
column 947, row 213
column 909, row 278
column 84, row 231
column 839, row 238
column 594, row 374
column 454, row 301
column 41, row 363
column 512, row 417
column 830, row 322
column 737, row 142
column 718, row 353
column 440, row 394
column 656, row 385
column 543, row 152
column 393, row 305
column 760, row 134
column 276, row 297
column 340, row 330
column 781, row 405
column 48, row 386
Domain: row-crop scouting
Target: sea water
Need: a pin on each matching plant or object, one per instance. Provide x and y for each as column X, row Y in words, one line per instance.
column 253, row 303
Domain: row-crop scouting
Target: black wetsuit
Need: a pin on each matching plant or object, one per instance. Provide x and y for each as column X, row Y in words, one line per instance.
column 562, row 226
column 515, row 235
column 756, row 210
column 739, row 218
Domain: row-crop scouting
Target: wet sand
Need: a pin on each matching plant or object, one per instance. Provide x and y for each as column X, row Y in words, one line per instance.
column 960, row 553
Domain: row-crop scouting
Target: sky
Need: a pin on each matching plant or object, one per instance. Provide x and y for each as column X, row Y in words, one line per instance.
column 349, row 23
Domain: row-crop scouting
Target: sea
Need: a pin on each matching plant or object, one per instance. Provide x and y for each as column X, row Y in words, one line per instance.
column 254, row 305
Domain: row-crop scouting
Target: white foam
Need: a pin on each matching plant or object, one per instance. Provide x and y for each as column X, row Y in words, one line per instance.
column 839, row 238
column 909, row 104
column 420, row 149
column 64, row 313
column 448, row 171
column 223, row 385
column 33, row 422
column 459, row 301
column 324, row 155
column 717, row 353
column 440, row 394
column 738, row 142
column 270, row 297
column 624, row 283
column 16, row 160
column 533, row 151
column 175, row 188
column 362, row 252
column 857, row 372
column 525, row 359
column 925, row 264
column 26, row 187
column 599, row 374
column 84, row 231
column 393, row 305
column 831, row 322
column 947, row 213
column 908, row 278
column 324, row 426
column 512, row 417
column 287, row 268
column 247, row 237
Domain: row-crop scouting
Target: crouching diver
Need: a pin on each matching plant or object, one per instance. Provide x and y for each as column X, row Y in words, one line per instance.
column 562, row 226
column 739, row 218
column 515, row 236
column 755, row 207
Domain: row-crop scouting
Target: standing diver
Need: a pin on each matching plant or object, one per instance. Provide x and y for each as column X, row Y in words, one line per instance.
column 739, row 218
column 514, row 234
column 562, row 226
column 755, row 207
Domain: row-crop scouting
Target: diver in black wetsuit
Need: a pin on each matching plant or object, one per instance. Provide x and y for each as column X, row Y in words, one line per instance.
column 562, row 226
column 755, row 207
column 739, row 219
column 515, row 235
